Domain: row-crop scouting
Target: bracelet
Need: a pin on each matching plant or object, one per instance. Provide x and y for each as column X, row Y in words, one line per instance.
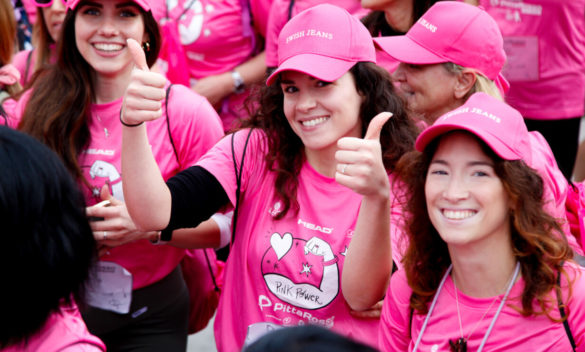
column 128, row 124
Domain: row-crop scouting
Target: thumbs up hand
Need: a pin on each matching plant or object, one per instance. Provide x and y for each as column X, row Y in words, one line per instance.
column 145, row 92
column 359, row 161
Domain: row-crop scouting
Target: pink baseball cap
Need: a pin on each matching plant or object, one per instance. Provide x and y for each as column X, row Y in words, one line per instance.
column 496, row 123
column 324, row 41
column 452, row 31
column 144, row 4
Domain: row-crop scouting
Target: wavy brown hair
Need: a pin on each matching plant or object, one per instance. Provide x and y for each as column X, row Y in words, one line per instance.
column 376, row 23
column 285, row 149
column 57, row 112
column 536, row 239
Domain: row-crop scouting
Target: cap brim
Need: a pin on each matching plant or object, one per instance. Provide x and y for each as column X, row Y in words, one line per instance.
column 324, row 68
column 404, row 49
column 433, row 132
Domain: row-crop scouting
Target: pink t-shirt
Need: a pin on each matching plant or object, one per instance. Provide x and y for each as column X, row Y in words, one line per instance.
column 545, row 45
column 64, row 331
column 195, row 127
column 216, row 38
column 511, row 332
column 279, row 16
column 273, row 278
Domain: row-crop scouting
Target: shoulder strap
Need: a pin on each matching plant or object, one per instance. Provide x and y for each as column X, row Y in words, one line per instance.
column 27, row 68
column 238, row 180
column 563, row 314
column 215, row 286
column 169, row 125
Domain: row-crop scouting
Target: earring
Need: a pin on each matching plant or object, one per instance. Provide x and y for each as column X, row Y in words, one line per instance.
column 146, row 46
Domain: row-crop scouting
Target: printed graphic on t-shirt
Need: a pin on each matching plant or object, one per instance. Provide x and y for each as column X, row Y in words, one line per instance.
column 300, row 272
column 104, row 173
column 191, row 22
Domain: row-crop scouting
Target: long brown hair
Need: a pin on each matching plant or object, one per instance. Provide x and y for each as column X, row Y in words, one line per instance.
column 537, row 238
column 8, row 39
column 286, row 154
column 57, row 112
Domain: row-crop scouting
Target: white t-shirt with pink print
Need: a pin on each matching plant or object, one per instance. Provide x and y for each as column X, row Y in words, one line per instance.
column 284, row 272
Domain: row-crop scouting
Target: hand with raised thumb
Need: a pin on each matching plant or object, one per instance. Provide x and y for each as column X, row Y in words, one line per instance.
column 145, row 92
column 359, row 161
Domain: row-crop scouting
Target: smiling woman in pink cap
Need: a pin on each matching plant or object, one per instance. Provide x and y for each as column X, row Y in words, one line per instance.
column 137, row 299
column 312, row 173
column 484, row 269
column 452, row 51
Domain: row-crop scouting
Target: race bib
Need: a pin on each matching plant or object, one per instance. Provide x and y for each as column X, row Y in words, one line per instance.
column 110, row 288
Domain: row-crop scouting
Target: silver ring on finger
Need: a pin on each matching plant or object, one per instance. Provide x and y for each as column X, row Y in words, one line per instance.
column 105, row 235
column 343, row 168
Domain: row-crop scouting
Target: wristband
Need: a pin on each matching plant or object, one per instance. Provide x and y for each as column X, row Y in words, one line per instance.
column 129, row 124
column 166, row 235
column 239, row 86
column 331, row 262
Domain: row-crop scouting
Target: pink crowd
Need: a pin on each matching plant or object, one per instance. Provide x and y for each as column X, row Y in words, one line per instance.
column 374, row 175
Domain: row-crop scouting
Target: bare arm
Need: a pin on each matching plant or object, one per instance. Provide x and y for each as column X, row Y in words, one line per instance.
column 147, row 197
column 368, row 262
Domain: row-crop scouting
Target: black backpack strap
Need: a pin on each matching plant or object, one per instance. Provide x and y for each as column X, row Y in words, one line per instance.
column 215, row 287
column 291, row 5
column 238, row 180
column 563, row 313
column 27, row 68
column 169, row 125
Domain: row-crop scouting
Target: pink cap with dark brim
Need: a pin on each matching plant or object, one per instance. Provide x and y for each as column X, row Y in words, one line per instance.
column 324, row 41
column 493, row 121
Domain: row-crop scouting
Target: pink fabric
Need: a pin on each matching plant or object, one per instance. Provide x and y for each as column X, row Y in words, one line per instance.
column 449, row 32
column 545, row 43
column 279, row 17
column 31, row 10
column 144, row 4
column 512, row 332
column 215, row 40
column 324, row 41
column 63, row 331
column 20, row 62
column 269, row 276
column 195, row 127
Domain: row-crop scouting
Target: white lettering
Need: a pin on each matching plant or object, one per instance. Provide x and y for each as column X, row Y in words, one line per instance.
column 431, row 27
column 314, row 227
column 100, row 151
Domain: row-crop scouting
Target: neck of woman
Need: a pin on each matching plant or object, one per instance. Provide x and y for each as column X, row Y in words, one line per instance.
column 108, row 88
column 483, row 273
column 399, row 15
column 323, row 161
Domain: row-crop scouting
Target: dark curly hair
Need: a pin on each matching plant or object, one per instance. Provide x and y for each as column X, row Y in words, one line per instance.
column 285, row 149
column 537, row 238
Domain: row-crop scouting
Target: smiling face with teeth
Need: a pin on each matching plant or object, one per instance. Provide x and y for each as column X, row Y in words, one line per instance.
column 466, row 200
column 101, row 30
column 320, row 112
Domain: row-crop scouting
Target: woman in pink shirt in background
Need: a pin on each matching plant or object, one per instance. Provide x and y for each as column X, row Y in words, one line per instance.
column 138, row 299
column 485, row 268
column 46, row 32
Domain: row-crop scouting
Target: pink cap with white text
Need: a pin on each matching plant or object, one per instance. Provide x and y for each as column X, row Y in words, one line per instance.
column 452, row 31
column 499, row 125
column 324, row 41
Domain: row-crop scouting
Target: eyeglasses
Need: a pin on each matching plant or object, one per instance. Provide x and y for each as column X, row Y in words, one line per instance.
column 47, row 3
column 459, row 345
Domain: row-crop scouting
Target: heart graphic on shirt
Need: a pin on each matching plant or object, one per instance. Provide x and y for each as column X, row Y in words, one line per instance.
column 281, row 245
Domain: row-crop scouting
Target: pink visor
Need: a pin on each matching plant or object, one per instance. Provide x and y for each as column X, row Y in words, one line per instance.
column 144, row 4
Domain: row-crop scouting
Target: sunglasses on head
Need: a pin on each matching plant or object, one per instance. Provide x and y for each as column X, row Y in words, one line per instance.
column 47, row 3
